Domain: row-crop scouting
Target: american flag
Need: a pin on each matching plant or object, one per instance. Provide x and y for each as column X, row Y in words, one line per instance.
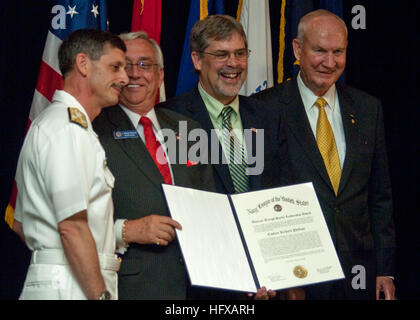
column 66, row 16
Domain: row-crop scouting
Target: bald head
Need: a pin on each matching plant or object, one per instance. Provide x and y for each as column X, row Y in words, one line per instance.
column 321, row 47
column 315, row 19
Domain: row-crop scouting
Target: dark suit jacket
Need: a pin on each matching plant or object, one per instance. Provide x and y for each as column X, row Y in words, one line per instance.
column 254, row 115
column 147, row 271
column 360, row 216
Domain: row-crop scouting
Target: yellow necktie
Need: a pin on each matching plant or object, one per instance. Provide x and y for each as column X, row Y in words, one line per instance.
column 327, row 146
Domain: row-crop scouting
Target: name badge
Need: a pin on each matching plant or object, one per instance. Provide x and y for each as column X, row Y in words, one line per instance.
column 127, row 134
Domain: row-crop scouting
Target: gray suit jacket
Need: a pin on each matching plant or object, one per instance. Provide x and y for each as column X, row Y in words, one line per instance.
column 147, row 271
column 360, row 217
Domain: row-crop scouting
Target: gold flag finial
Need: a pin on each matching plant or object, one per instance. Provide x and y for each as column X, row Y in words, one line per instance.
column 142, row 7
column 239, row 10
column 204, row 9
column 282, row 44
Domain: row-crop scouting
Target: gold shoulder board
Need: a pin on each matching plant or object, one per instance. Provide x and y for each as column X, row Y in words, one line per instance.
column 78, row 117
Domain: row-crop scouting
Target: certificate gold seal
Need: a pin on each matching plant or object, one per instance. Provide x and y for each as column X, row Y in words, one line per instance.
column 277, row 208
column 300, row 272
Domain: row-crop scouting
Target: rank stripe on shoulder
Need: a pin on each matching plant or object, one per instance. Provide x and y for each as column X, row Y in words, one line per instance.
column 76, row 116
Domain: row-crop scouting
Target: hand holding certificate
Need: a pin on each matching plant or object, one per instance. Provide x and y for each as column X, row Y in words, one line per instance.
column 275, row 238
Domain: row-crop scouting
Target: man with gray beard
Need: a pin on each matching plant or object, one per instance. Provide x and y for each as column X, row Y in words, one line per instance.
column 219, row 51
column 250, row 149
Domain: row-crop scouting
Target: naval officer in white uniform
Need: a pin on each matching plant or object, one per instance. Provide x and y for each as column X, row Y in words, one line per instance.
column 64, row 209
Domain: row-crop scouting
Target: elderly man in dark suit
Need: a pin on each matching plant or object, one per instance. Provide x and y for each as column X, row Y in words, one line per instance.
column 132, row 136
column 336, row 140
column 219, row 52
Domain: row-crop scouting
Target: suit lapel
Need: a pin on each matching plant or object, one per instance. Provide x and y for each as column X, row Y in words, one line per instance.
column 135, row 149
column 299, row 125
column 198, row 112
column 168, row 123
column 350, row 121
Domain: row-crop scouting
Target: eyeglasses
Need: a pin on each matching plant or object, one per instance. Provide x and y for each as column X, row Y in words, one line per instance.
column 222, row 56
column 145, row 66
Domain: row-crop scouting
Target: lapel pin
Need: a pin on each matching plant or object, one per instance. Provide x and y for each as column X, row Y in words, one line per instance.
column 191, row 163
column 125, row 134
column 352, row 118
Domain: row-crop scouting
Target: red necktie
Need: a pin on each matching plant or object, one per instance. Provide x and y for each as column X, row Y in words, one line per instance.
column 153, row 146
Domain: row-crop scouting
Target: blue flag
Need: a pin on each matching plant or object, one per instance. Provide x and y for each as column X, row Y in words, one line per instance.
column 294, row 10
column 335, row 6
column 288, row 67
column 187, row 79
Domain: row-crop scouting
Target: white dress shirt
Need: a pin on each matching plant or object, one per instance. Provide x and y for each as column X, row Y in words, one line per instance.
column 332, row 110
column 333, row 113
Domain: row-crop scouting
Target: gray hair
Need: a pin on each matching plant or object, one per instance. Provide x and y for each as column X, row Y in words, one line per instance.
column 214, row 27
column 313, row 14
column 144, row 36
column 89, row 41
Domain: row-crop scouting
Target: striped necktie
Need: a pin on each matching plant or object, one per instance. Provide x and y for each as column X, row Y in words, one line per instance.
column 237, row 161
column 327, row 146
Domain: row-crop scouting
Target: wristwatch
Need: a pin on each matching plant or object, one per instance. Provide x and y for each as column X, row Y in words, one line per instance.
column 105, row 295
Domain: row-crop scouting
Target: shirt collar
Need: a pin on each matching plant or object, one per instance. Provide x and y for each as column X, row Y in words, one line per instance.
column 215, row 107
column 135, row 117
column 309, row 98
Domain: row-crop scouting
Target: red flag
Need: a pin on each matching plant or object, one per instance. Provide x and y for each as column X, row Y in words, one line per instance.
column 147, row 16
